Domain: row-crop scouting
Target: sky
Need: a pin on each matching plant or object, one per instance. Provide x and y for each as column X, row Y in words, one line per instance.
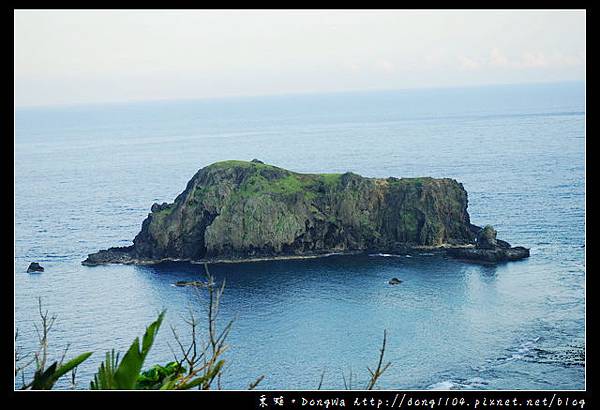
column 98, row 56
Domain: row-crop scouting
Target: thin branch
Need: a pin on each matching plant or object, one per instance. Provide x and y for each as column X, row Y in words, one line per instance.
column 321, row 381
column 255, row 383
column 74, row 378
column 375, row 375
column 41, row 356
column 62, row 358
column 203, row 358
column 348, row 384
column 20, row 359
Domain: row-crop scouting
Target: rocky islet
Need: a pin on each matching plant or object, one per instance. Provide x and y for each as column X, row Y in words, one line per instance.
column 240, row 210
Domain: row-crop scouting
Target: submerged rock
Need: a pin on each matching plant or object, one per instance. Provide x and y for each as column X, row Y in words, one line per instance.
column 35, row 267
column 395, row 281
column 239, row 210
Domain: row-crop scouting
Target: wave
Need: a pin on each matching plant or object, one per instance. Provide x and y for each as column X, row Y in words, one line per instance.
column 531, row 351
column 392, row 255
column 468, row 384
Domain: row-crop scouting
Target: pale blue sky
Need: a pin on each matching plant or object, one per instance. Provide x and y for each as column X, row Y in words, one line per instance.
column 87, row 56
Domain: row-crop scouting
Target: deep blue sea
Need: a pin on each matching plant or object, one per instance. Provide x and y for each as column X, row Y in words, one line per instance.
column 86, row 176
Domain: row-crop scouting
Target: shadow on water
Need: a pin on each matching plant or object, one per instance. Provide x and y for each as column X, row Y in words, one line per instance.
column 284, row 277
column 488, row 272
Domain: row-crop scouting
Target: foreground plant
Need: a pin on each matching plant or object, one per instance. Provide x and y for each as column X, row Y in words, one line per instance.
column 44, row 377
column 115, row 374
column 197, row 364
column 202, row 359
column 156, row 376
column 375, row 374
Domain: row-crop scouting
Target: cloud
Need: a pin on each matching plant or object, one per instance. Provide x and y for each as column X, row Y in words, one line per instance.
column 532, row 60
column 385, row 65
column 527, row 60
column 469, row 64
column 497, row 58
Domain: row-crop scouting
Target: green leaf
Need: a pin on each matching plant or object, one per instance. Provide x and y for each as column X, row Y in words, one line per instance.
column 150, row 334
column 104, row 378
column 70, row 365
column 41, row 380
column 157, row 376
column 45, row 380
column 169, row 382
column 124, row 375
column 130, row 367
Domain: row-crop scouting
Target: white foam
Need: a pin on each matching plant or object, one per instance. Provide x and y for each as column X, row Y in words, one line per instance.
column 443, row 385
column 477, row 381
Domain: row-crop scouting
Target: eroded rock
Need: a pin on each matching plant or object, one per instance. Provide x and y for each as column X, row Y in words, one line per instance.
column 486, row 238
column 490, row 249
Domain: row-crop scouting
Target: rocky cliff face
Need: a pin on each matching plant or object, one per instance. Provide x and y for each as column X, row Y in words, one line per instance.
column 240, row 210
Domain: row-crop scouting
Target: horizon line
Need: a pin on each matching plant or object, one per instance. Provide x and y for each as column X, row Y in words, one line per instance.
column 281, row 94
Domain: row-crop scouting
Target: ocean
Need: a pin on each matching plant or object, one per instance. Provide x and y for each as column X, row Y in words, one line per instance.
column 86, row 176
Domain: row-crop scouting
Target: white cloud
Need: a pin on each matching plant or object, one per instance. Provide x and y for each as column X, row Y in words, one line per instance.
column 532, row 60
column 497, row 59
column 469, row 63
column 385, row 66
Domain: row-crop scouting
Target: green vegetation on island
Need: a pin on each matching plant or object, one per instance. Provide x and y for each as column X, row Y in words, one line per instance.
column 236, row 210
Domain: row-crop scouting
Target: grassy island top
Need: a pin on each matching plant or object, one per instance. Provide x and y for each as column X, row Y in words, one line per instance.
column 261, row 178
column 254, row 178
column 294, row 180
column 265, row 178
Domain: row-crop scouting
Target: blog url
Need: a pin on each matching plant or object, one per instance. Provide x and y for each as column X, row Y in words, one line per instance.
column 406, row 400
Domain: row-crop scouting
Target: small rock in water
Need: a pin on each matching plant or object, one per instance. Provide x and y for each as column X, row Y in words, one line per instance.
column 35, row 267
column 195, row 283
column 395, row 281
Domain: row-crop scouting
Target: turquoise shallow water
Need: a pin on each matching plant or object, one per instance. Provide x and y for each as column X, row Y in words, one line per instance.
column 86, row 176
